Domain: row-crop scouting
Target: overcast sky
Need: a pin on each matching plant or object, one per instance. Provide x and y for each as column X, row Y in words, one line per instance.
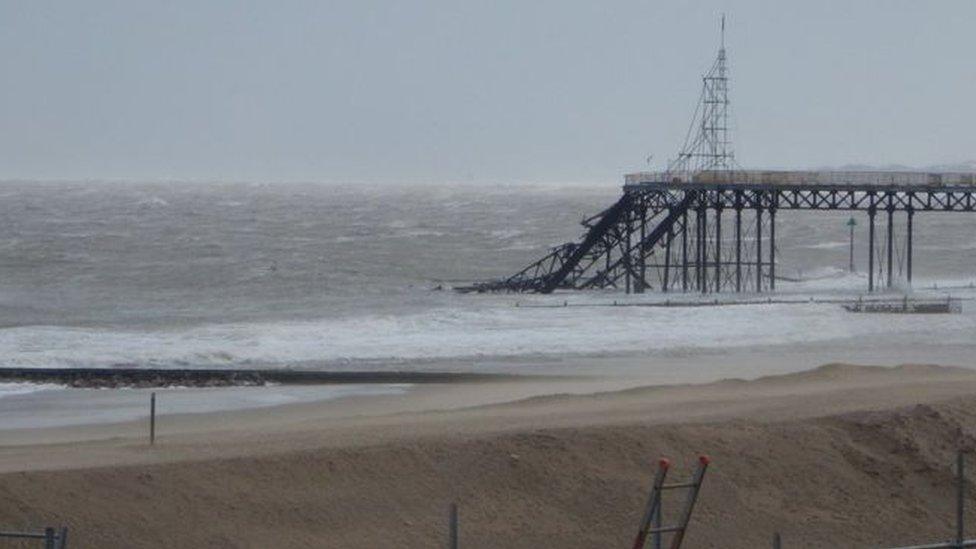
column 455, row 91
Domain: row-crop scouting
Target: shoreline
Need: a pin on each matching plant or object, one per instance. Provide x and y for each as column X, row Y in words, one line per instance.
column 482, row 408
column 432, row 384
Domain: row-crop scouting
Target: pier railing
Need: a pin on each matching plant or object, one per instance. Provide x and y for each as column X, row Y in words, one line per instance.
column 785, row 177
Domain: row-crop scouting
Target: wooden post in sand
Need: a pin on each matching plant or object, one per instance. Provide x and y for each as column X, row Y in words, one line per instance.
column 152, row 419
column 453, row 527
column 960, row 499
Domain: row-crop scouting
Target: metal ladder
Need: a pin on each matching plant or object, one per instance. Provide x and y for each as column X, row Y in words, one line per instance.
column 651, row 523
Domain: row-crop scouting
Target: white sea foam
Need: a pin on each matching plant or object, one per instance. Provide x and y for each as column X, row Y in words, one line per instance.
column 826, row 245
column 494, row 329
column 152, row 202
column 12, row 389
column 505, row 234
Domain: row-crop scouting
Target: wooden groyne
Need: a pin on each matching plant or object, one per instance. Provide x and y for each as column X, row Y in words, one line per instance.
column 214, row 377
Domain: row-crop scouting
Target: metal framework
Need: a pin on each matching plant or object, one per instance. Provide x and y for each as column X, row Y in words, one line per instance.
column 708, row 143
column 706, row 225
column 721, row 236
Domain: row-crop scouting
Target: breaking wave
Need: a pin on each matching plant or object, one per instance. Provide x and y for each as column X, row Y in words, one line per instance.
column 493, row 331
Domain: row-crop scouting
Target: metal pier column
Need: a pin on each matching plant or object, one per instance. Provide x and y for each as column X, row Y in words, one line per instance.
column 738, row 245
column 694, row 283
column 698, row 249
column 667, row 261
column 704, row 256
column 718, row 249
column 628, row 256
column 758, row 249
column 684, row 252
column 871, row 212
column 891, row 245
column 772, row 249
column 850, row 225
column 643, row 258
column 908, row 245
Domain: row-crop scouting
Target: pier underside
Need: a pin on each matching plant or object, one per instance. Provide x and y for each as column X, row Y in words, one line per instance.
column 716, row 231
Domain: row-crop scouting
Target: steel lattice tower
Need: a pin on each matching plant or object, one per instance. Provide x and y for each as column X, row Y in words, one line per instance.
column 706, row 225
column 708, row 143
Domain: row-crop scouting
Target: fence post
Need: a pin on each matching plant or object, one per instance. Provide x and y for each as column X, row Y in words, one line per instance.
column 453, row 539
column 152, row 419
column 777, row 541
column 960, row 499
column 49, row 538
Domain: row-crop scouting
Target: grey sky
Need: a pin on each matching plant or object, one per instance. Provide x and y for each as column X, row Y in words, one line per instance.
column 493, row 91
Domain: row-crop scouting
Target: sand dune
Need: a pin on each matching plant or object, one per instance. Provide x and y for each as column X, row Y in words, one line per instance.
column 840, row 456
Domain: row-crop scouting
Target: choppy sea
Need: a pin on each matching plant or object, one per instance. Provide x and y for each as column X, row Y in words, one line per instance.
column 347, row 277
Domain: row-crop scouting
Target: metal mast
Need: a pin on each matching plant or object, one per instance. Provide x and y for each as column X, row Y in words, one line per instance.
column 708, row 143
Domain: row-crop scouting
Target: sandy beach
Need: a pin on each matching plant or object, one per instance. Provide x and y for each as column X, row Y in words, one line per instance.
column 838, row 456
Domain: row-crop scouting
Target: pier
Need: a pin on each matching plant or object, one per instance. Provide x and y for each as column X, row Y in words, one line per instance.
column 707, row 225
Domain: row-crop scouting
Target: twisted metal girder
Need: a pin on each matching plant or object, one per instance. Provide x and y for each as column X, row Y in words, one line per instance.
column 606, row 252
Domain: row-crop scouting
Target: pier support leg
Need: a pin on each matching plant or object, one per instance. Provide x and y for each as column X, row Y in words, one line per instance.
column 642, row 284
column 698, row 249
column 628, row 255
column 738, row 248
column 772, row 249
column 871, row 214
column 891, row 246
column 684, row 252
column 666, row 285
column 758, row 250
column 850, row 267
column 704, row 255
column 718, row 250
column 908, row 247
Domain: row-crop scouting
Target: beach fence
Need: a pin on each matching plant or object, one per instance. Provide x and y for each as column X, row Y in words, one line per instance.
column 453, row 527
column 53, row 538
column 57, row 538
column 959, row 541
column 651, row 529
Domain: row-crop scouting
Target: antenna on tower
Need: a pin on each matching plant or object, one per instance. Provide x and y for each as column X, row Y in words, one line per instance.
column 708, row 143
column 723, row 32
